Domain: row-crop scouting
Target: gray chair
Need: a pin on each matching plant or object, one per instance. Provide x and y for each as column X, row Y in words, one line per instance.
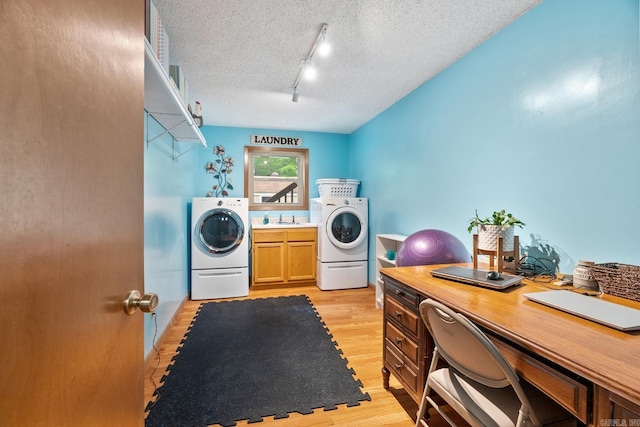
column 477, row 382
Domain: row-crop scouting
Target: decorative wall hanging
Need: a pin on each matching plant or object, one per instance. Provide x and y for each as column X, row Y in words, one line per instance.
column 220, row 168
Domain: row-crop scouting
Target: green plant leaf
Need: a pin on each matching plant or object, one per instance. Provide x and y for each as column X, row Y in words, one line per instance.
column 499, row 218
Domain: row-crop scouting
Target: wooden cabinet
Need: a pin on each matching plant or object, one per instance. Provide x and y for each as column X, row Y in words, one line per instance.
column 407, row 347
column 283, row 256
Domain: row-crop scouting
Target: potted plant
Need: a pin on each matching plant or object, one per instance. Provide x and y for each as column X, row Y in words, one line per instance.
column 499, row 224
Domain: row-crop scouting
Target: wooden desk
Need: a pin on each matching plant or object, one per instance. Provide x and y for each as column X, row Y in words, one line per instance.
column 592, row 370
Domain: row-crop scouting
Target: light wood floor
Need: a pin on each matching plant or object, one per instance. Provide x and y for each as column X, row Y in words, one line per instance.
column 356, row 326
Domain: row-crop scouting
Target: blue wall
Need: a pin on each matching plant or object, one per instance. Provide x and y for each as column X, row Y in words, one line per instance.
column 328, row 158
column 170, row 185
column 168, row 189
column 542, row 120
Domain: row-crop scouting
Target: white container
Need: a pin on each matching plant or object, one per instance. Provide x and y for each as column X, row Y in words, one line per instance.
column 488, row 237
column 583, row 278
column 338, row 187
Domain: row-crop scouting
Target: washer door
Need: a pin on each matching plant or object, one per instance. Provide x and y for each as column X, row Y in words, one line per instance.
column 218, row 231
column 346, row 228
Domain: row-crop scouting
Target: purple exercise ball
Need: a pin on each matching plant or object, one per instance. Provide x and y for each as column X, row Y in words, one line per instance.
column 431, row 247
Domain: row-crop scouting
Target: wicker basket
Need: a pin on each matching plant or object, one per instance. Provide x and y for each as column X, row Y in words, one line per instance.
column 337, row 187
column 621, row 280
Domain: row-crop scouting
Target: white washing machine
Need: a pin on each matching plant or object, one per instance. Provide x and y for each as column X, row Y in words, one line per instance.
column 342, row 241
column 219, row 248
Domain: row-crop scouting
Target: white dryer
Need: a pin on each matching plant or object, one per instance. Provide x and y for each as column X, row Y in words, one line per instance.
column 342, row 241
column 219, row 248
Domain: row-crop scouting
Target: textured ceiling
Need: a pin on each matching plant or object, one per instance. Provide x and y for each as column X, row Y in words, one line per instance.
column 241, row 57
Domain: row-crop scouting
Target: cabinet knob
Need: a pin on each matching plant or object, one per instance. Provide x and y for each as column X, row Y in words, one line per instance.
column 399, row 340
column 399, row 365
column 399, row 293
column 398, row 314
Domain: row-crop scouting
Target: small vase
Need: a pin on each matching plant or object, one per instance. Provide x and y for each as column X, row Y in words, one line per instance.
column 583, row 278
column 488, row 238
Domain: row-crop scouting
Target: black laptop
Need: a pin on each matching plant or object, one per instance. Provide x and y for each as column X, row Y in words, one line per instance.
column 476, row 277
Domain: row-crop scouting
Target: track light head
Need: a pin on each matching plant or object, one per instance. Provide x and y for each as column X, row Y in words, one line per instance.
column 324, row 48
column 306, row 67
column 309, row 73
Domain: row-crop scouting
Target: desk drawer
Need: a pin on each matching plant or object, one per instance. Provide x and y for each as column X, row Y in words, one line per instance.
column 570, row 393
column 405, row 317
column 402, row 368
column 399, row 340
column 402, row 293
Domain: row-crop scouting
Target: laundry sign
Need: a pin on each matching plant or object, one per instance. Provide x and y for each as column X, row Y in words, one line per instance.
column 279, row 141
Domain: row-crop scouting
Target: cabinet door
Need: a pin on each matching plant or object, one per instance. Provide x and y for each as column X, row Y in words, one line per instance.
column 301, row 263
column 269, row 263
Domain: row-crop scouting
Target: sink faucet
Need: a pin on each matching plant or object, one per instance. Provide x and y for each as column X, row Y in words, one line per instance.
column 293, row 220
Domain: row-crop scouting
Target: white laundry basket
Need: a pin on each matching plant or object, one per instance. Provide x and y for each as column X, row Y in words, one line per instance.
column 338, row 187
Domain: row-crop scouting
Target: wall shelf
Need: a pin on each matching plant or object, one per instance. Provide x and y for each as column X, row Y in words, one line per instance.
column 163, row 103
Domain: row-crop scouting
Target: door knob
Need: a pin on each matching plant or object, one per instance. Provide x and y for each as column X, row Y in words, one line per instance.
column 134, row 300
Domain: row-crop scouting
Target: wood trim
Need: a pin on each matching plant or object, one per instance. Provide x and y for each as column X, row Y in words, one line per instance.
column 303, row 202
column 149, row 359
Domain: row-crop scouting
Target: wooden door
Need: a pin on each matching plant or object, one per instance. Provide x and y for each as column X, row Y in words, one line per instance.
column 71, row 211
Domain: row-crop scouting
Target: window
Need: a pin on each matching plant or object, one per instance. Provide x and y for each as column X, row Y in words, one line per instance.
column 276, row 178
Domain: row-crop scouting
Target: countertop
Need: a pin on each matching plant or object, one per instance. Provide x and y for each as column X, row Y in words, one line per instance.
column 287, row 222
column 284, row 225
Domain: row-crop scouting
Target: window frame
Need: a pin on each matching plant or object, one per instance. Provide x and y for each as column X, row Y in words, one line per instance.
column 303, row 190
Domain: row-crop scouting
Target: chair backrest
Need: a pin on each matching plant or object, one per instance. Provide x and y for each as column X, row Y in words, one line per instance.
column 465, row 347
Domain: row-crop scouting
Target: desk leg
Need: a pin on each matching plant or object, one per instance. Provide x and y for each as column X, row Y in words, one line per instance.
column 500, row 254
column 385, row 377
column 475, row 251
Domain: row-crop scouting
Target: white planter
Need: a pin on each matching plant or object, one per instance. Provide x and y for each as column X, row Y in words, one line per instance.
column 488, row 238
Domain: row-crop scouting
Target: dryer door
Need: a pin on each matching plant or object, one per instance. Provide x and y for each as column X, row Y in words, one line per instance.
column 346, row 228
column 218, row 231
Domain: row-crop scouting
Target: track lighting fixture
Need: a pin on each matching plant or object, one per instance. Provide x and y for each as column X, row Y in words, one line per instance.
column 321, row 46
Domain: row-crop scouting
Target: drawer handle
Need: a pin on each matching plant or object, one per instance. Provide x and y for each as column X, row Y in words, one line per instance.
column 399, row 293
column 399, row 366
column 398, row 314
column 399, row 340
